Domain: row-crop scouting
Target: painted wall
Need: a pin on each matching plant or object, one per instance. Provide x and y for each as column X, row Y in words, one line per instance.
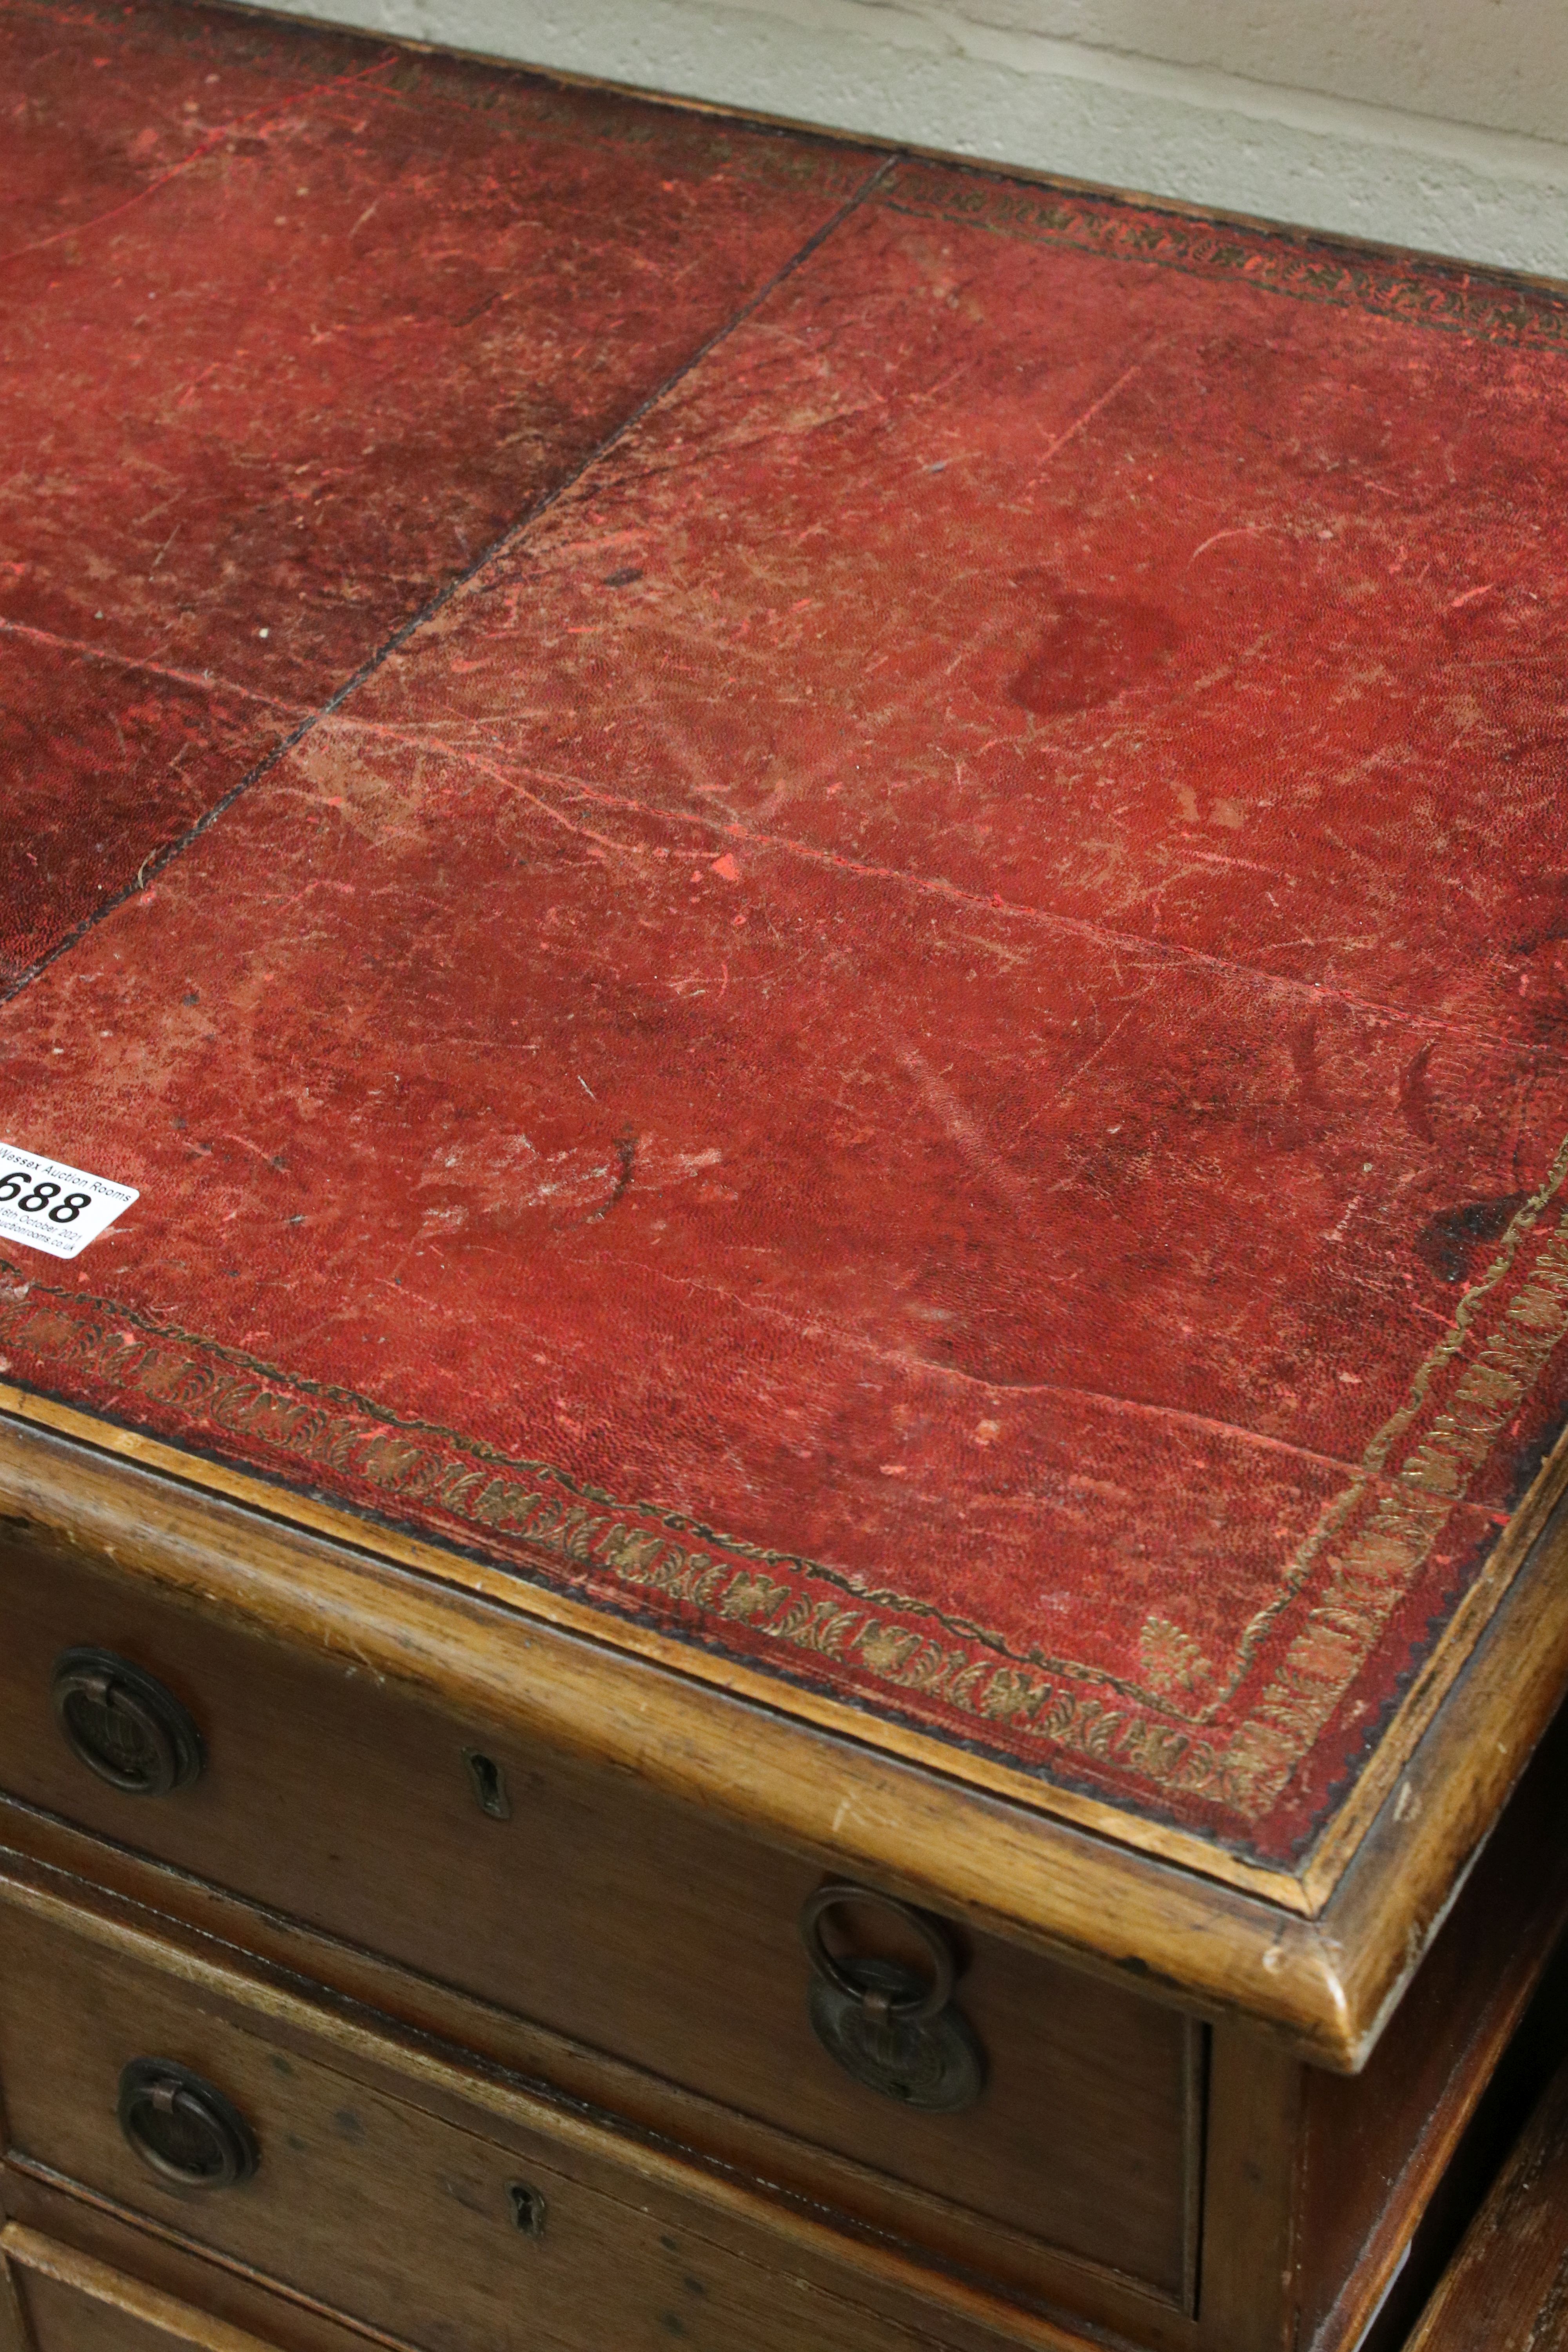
column 1440, row 123
column 1502, row 63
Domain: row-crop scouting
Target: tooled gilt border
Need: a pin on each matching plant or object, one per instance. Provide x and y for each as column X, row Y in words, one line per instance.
column 1363, row 1554
column 1407, row 289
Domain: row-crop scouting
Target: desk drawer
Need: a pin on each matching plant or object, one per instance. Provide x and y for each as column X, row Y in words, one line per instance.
column 634, row 1927
column 189, row 2106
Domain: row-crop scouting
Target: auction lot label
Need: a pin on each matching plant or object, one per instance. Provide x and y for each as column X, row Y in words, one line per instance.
column 46, row 1206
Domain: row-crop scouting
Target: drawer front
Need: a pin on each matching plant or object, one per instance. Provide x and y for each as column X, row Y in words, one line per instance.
column 427, row 2227
column 639, row 1928
column 71, row 2303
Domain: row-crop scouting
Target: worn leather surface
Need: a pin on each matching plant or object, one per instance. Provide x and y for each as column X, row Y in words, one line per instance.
column 292, row 328
column 920, row 1037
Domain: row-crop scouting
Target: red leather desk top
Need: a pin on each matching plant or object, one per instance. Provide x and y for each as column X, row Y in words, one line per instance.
column 822, row 895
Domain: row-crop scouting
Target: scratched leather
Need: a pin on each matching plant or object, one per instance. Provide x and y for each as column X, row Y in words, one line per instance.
column 102, row 103
column 948, row 975
column 292, row 327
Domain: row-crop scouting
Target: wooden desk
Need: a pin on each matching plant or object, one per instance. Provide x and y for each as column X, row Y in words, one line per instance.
column 792, row 1578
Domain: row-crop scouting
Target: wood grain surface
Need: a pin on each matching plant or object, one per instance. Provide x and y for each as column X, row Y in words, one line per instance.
column 1507, row 2290
column 365, row 2201
column 617, row 1918
column 205, row 1988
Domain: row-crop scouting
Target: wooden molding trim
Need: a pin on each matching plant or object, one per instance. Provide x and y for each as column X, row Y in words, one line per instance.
column 1326, row 1981
column 180, row 2322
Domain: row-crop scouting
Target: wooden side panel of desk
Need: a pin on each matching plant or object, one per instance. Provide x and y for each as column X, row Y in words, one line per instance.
column 1376, row 2145
column 1507, row 2291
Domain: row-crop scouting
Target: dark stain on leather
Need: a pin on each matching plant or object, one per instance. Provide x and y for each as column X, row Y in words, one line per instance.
column 626, row 1155
column 1090, row 650
column 1415, row 1099
column 1543, row 908
column 1304, row 1057
column 1447, row 1243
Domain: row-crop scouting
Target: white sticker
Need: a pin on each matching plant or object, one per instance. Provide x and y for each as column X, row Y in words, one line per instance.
column 48, row 1206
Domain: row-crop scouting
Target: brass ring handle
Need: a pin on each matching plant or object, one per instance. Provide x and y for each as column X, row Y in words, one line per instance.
column 124, row 1724
column 183, row 2128
column 913, row 2009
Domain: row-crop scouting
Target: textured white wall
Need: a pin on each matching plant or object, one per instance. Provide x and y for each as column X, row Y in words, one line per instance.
column 1503, row 63
column 1440, row 123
